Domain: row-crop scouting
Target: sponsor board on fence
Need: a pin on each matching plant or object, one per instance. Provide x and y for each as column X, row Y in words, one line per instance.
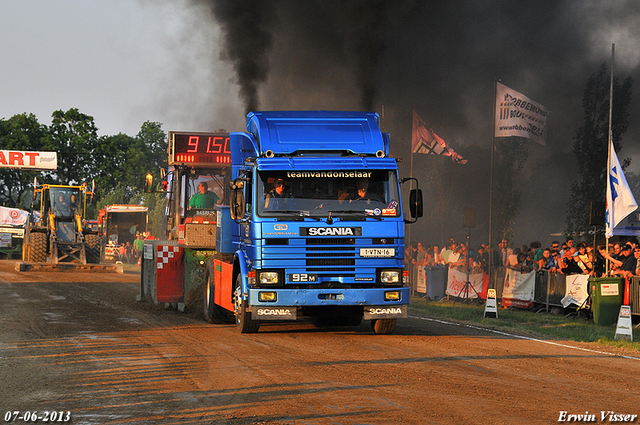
column 457, row 280
column 5, row 240
column 519, row 288
column 576, row 290
column 421, row 281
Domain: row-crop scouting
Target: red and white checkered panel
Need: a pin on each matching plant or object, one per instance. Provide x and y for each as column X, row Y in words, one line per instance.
column 169, row 273
column 165, row 253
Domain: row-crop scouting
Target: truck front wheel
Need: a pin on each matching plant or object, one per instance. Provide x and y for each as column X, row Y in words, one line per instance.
column 244, row 322
column 383, row 326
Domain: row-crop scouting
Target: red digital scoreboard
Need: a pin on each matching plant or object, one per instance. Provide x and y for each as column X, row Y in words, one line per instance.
column 199, row 149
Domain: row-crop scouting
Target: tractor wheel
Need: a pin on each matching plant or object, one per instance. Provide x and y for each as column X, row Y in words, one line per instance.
column 383, row 326
column 92, row 248
column 36, row 248
column 244, row 322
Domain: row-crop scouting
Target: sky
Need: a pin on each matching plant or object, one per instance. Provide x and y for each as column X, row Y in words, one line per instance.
column 200, row 65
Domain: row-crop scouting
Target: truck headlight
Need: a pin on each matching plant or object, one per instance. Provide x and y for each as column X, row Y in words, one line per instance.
column 268, row 278
column 389, row 276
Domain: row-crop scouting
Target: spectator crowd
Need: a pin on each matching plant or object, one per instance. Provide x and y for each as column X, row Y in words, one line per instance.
column 131, row 253
column 565, row 258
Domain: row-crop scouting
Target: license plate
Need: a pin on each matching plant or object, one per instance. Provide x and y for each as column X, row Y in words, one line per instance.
column 377, row 252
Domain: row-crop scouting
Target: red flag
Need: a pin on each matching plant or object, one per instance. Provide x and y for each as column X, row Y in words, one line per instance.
column 424, row 140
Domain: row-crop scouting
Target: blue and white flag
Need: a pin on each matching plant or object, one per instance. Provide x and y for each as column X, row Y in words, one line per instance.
column 620, row 200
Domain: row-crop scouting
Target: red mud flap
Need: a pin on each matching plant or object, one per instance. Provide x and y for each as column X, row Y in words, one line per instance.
column 373, row 312
column 273, row 313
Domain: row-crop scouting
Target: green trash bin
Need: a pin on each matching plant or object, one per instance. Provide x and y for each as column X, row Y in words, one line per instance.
column 606, row 299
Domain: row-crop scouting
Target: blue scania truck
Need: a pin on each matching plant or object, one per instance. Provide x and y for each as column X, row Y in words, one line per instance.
column 314, row 228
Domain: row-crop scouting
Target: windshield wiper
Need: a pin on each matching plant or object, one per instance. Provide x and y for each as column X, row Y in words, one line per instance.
column 298, row 215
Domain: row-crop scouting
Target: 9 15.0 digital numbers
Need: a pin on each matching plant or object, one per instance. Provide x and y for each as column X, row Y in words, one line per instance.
column 199, row 148
column 211, row 144
column 35, row 416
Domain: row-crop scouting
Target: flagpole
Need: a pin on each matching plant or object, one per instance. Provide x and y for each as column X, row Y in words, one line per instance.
column 411, row 175
column 493, row 143
column 610, row 141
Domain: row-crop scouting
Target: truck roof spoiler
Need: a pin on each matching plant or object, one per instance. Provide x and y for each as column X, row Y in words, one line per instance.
column 307, row 132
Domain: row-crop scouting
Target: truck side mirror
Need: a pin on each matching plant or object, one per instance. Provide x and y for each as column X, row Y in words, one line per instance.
column 415, row 203
column 237, row 199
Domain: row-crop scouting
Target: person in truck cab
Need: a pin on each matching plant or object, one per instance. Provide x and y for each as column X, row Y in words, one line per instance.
column 363, row 193
column 277, row 198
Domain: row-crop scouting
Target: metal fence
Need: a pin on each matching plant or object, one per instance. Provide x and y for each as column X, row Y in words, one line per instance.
column 634, row 295
column 550, row 288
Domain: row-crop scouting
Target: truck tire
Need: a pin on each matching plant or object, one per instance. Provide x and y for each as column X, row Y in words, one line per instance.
column 213, row 313
column 35, row 248
column 244, row 322
column 383, row 326
column 92, row 248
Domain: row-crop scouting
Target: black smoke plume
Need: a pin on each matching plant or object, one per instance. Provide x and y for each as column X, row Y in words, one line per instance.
column 352, row 32
column 247, row 27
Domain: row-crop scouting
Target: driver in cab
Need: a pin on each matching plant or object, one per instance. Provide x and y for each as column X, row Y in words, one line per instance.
column 204, row 198
column 277, row 198
column 61, row 206
column 363, row 193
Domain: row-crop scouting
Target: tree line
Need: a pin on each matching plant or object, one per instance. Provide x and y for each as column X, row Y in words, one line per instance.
column 116, row 164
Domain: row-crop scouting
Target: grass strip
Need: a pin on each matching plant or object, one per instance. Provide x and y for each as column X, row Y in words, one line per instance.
column 525, row 322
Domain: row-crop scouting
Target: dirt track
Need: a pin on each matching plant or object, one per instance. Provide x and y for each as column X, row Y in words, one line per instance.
column 79, row 342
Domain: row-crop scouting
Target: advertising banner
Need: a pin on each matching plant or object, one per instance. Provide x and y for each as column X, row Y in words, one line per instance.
column 519, row 289
column 421, row 282
column 457, row 280
column 31, row 160
column 576, row 290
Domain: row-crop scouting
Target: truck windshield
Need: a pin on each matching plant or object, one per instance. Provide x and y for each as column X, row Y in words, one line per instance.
column 318, row 193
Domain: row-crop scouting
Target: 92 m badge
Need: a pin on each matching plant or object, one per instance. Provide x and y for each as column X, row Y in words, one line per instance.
column 303, row 277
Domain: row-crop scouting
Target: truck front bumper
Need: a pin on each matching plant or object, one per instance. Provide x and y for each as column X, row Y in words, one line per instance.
column 283, row 304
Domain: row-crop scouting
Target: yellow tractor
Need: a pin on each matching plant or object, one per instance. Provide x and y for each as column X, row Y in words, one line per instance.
column 55, row 233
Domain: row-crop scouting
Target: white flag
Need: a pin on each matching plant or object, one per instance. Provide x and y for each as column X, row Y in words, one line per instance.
column 517, row 115
column 620, row 200
column 13, row 216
